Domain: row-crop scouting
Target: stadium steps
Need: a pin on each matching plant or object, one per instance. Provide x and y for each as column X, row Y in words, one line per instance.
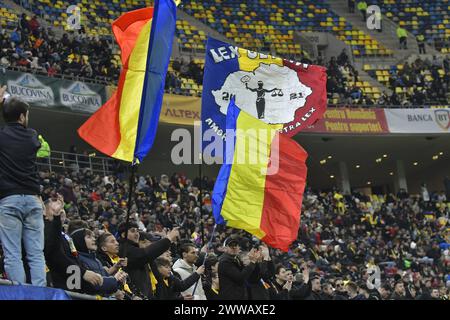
column 181, row 15
column 364, row 76
column 44, row 23
column 388, row 37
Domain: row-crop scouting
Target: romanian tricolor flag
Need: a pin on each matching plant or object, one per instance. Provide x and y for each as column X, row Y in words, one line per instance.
column 125, row 126
column 260, row 186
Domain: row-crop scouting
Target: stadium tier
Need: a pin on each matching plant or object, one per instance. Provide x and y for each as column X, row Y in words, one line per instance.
column 271, row 26
column 418, row 82
column 8, row 17
column 103, row 196
column 427, row 17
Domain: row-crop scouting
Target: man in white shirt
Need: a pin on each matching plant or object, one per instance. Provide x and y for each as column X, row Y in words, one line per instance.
column 186, row 267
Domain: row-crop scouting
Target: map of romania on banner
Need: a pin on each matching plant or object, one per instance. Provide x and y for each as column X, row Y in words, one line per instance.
column 273, row 90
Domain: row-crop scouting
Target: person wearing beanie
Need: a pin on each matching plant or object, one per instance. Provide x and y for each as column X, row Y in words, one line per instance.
column 140, row 258
column 84, row 241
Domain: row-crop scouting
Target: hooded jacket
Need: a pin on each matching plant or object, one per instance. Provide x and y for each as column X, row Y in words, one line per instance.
column 90, row 262
column 185, row 270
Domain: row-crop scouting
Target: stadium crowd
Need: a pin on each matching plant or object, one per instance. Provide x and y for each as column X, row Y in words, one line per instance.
column 424, row 80
column 340, row 238
column 29, row 47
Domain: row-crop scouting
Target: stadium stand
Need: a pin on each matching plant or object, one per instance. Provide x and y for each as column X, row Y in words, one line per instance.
column 8, row 18
column 340, row 235
column 427, row 17
column 259, row 25
column 420, row 82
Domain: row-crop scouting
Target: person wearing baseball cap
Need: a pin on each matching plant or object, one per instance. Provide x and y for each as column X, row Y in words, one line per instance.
column 232, row 272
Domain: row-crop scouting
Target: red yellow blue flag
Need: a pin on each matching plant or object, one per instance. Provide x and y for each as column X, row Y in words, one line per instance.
column 125, row 126
column 260, row 186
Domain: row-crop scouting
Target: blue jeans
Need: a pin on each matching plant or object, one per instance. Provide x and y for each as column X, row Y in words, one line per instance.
column 21, row 220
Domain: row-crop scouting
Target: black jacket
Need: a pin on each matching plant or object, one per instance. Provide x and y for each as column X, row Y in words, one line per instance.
column 175, row 285
column 209, row 292
column 314, row 296
column 300, row 291
column 59, row 258
column 258, row 282
column 277, row 292
column 233, row 278
column 18, row 171
column 138, row 263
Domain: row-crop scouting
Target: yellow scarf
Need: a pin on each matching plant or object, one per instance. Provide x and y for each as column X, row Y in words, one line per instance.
column 114, row 260
column 153, row 281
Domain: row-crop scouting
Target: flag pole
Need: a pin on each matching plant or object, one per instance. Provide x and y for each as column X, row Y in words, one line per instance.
column 130, row 200
column 206, row 255
column 201, row 197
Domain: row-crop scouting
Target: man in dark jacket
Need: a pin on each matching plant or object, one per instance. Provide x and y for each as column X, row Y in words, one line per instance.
column 279, row 289
column 316, row 289
column 169, row 286
column 301, row 287
column 399, row 291
column 232, row 273
column 66, row 270
column 258, row 283
column 139, row 259
column 340, row 293
column 21, row 208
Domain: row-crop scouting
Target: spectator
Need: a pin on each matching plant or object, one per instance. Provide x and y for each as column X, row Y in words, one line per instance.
column 258, row 282
column 232, row 273
column 60, row 253
column 328, row 293
column 23, row 23
column 21, row 207
column 84, row 241
column 399, row 291
column 402, row 36
column 421, row 43
column 185, row 267
column 351, row 6
column 280, row 287
column 139, row 258
column 168, row 286
column 316, row 289
column 34, row 25
column 362, row 7
column 44, row 150
column 212, row 292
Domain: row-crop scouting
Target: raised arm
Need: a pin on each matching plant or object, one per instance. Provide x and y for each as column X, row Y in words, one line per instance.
column 251, row 89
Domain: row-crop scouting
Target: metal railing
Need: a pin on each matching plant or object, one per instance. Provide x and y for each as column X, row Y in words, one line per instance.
column 106, row 81
column 71, row 294
column 64, row 160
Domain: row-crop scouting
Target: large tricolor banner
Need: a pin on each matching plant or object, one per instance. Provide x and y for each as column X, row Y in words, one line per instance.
column 125, row 126
column 273, row 90
column 262, row 197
